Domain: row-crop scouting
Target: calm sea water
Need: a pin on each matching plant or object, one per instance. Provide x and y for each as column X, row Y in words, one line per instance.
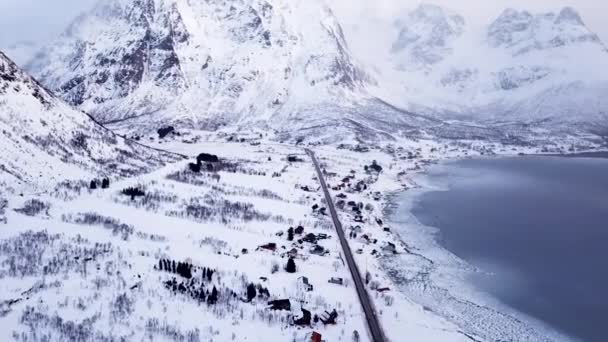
column 539, row 227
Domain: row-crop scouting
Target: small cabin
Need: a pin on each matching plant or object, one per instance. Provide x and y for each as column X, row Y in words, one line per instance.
column 310, row 237
column 293, row 253
column 305, row 284
column 389, row 247
column 269, row 246
column 335, row 280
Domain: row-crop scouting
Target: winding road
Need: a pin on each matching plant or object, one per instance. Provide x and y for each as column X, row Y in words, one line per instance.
column 374, row 328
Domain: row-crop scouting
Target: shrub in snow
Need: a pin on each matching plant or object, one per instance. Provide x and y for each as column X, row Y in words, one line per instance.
column 196, row 168
column 154, row 327
column 274, row 268
column 164, row 131
column 122, row 307
column 208, row 158
column 91, row 219
column 34, row 207
column 3, row 206
column 40, row 324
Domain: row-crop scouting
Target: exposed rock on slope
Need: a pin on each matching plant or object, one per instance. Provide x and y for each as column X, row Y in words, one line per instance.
column 201, row 63
column 43, row 140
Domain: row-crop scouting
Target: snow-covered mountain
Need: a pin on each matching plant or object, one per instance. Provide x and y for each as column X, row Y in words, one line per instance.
column 43, row 140
column 425, row 36
column 546, row 67
column 204, row 63
column 287, row 65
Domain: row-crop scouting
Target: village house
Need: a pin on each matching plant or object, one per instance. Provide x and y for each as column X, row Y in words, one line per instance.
column 335, row 280
column 292, row 253
column 269, row 246
column 303, row 282
column 310, row 237
column 389, row 247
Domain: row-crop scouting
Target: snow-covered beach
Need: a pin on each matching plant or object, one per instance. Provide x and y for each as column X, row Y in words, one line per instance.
column 451, row 286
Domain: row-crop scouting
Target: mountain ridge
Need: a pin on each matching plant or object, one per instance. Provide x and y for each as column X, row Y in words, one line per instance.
column 263, row 63
column 45, row 141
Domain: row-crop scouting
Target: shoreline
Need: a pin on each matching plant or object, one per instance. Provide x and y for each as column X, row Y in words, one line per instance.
column 440, row 281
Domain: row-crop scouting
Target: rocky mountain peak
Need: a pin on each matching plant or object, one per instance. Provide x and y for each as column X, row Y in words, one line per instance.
column 129, row 58
column 425, row 35
column 569, row 15
column 523, row 32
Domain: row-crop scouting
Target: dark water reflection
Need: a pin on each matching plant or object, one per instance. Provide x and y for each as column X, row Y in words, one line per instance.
column 540, row 226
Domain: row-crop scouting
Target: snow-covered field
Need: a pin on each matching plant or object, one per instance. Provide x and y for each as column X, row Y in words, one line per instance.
column 82, row 264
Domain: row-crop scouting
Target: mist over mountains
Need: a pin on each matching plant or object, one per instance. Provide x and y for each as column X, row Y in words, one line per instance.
column 273, row 64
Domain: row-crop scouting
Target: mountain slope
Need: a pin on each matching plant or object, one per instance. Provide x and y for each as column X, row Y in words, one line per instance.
column 204, row 64
column 546, row 67
column 43, row 140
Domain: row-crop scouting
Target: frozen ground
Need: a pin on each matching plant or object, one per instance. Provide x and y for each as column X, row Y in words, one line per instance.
column 81, row 264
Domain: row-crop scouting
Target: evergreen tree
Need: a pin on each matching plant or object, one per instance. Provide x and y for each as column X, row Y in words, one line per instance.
column 212, row 299
column 290, row 234
column 291, row 266
column 251, row 292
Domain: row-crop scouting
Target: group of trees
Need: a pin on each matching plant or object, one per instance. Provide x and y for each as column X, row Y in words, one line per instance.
column 110, row 223
column 185, row 269
column 193, row 289
column 206, row 209
column 34, row 207
column 105, row 184
column 182, row 268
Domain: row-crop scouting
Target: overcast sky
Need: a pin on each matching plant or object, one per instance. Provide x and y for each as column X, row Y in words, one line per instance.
column 39, row 20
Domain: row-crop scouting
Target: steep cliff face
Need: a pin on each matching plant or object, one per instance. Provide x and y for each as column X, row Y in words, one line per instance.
column 204, row 63
column 43, row 140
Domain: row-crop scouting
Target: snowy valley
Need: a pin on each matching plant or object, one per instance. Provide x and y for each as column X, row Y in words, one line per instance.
column 154, row 182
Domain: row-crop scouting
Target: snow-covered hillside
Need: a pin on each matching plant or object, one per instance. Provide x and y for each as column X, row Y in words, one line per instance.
column 45, row 141
column 202, row 63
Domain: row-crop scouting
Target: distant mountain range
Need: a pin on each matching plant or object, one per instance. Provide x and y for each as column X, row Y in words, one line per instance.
column 278, row 64
column 522, row 67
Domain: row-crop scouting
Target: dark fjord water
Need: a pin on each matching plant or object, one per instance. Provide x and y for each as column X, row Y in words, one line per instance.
column 538, row 226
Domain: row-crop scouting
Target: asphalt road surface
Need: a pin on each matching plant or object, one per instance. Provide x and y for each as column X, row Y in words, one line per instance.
column 374, row 328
